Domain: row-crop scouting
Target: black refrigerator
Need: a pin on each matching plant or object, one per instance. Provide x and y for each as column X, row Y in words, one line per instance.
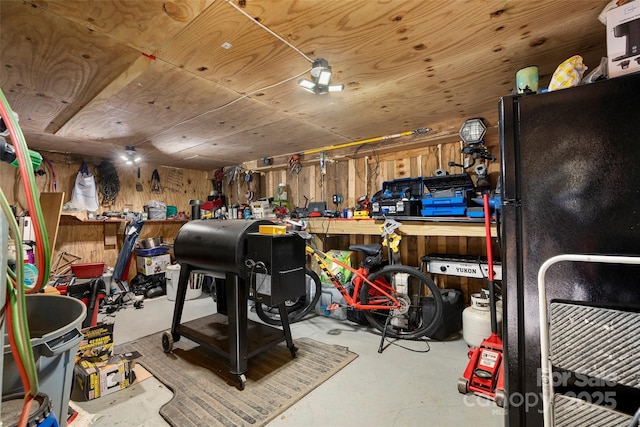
column 570, row 184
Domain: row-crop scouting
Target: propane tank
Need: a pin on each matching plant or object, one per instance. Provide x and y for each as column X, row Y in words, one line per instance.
column 476, row 319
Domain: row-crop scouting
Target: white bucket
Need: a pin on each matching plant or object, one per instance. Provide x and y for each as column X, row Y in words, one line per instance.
column 172, row 275
column 194, row 286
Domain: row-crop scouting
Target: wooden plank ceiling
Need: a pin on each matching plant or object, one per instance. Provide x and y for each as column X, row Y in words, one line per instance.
column 91, row 77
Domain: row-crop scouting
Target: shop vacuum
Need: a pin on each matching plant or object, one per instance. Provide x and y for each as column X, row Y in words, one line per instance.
column 484, row 375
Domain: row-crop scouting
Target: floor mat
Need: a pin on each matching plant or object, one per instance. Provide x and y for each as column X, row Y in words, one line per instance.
column 205, row 392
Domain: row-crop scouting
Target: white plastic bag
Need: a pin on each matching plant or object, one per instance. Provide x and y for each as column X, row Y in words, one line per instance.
column 85, row 194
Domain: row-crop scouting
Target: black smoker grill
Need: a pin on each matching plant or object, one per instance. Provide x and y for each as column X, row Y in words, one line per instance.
column 263, row 267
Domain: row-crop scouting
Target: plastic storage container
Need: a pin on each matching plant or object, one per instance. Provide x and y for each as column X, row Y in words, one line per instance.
column 160, row 250
column 329, row 295
column 439, row 206
column 172, row 211
column 156, row 212
column 399, row 197
column 403, row 188
column 87, row 270
column 54, row 326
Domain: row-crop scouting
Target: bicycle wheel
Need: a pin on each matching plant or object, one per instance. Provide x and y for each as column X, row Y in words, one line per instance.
column 298, row 308
column 411, row 287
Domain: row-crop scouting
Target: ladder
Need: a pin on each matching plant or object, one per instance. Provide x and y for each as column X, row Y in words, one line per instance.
column 596, row 342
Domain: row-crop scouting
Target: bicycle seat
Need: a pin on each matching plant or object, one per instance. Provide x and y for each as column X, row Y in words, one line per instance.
column 370, row 249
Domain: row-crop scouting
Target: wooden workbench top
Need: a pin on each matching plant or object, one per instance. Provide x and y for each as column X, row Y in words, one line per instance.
column 411, row 227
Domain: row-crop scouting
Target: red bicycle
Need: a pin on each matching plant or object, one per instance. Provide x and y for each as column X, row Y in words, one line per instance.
column 393, row 297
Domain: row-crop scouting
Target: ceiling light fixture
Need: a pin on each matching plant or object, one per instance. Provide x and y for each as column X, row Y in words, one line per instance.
column 130, row 157
column 321, row 75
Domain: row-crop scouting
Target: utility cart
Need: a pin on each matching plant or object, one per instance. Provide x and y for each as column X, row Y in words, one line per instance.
column 587, row 350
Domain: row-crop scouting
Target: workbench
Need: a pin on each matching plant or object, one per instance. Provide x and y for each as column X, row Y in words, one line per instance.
column 411, row 226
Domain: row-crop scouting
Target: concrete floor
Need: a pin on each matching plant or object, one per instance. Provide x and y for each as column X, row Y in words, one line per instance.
column 400, row 387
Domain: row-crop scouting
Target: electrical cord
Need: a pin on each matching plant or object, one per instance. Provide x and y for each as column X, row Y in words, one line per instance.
column 376, row 170
column 326, row 223
column 52, row 172
column 423, row 339
column 42, row 250
column 498, row 226
column 264, row 27
column 256, row 268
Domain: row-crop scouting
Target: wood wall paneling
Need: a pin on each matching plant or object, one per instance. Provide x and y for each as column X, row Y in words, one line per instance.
column 353, row 175
column 96, row 242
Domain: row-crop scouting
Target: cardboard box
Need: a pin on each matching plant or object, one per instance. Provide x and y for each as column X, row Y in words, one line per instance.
column 97, row 344
column 261, row 209
column 149, row 265
column 102, row 378
column 623, row 39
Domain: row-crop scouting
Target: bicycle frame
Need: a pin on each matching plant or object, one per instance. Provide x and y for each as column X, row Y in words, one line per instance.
column 385, row 301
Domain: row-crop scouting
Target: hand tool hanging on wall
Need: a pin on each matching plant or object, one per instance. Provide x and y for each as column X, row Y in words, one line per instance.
column 323, row 163
column 139, row 183
column 294, row 164
column 232, row 173
column 218, row 176
column 155, row 182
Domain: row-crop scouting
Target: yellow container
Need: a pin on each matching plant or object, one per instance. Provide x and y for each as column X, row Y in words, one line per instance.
column 272, row 229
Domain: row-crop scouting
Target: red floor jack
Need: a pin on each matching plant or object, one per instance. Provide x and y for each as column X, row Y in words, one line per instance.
column 484, row 375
